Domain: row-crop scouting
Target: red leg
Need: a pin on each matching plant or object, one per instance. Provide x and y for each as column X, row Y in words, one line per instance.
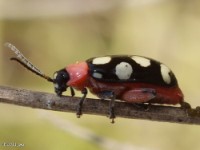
column 139, row 95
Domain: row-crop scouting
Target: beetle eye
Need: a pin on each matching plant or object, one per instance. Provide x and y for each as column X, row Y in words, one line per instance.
column 65, row 76
column 61, row 76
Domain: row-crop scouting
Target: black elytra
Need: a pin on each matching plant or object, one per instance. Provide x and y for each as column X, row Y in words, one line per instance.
column 150, row 74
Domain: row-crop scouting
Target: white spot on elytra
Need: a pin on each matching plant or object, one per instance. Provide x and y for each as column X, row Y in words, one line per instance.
column 144, row 62
column 97, row 75
column 124, row 70
column 165, row 73
column 101, row 60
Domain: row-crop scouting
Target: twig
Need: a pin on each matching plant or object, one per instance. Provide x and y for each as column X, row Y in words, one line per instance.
column 49, row 101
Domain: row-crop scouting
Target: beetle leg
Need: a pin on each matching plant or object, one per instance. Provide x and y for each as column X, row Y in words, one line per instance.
column 112, row 107
column 139, row 95
column 72, row 91
column 109, row 95
column 80, row 104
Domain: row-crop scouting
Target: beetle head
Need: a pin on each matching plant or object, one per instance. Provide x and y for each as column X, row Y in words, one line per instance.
column 60, row 80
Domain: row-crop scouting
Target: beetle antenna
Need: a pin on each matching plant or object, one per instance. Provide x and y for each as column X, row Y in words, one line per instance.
column 21, row 59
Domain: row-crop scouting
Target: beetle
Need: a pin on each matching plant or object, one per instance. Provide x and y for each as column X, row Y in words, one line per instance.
column 129, row 78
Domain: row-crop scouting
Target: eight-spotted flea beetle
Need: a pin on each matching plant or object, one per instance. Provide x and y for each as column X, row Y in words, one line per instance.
column 130, row 78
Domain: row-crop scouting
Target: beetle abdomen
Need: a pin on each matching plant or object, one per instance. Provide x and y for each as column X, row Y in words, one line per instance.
column 137, row 92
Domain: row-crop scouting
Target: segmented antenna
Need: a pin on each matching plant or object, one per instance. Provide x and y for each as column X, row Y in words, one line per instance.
column 21, row 59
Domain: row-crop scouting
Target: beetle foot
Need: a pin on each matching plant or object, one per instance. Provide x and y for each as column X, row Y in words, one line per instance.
column 148, row 107
column 144, row 107
column 79, row 109
column 112, row 115
column 79, row 112
column 112, row 121
column 80, row 104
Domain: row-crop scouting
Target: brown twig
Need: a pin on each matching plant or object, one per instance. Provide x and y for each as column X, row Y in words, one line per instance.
column 49, row 101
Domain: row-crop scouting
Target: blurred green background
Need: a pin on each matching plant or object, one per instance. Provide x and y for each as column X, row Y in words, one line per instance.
column 53, row 34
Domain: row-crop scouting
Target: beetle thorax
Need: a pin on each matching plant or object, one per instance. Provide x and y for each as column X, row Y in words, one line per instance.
column 78, row 74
